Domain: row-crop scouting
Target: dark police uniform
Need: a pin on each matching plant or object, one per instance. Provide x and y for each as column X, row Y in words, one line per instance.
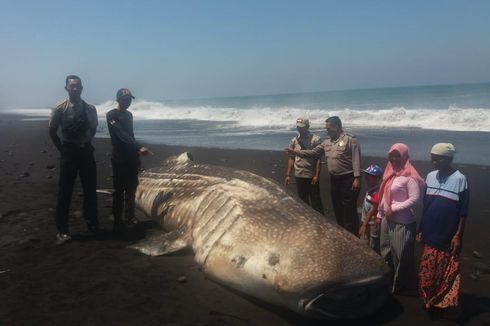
column 78, row 122
column 343, row 158
column 125, row 163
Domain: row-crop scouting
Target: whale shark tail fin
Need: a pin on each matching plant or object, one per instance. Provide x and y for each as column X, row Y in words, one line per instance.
column 158, row 243
column 182, row 159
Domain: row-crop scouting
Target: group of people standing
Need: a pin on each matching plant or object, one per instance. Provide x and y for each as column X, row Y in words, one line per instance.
column 388, row 211
column 388, row 218
column 77, row 121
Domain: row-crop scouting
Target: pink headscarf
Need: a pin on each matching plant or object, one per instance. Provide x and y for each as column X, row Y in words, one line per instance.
column 406, row 169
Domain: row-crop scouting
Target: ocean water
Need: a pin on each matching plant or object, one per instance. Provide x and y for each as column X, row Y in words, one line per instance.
column 418, row 116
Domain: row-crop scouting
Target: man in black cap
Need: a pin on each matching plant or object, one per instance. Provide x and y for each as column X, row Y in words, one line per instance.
column 78, row 123
column 125, row 159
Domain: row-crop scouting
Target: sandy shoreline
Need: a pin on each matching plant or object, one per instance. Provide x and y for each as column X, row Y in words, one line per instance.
column 99, row 281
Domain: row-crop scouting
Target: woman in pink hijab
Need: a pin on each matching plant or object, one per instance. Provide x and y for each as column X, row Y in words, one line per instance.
column 400, row 192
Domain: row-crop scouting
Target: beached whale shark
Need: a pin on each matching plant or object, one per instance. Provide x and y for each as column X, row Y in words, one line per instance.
column 249, row 234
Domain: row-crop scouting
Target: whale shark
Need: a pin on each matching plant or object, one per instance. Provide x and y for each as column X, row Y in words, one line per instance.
column 249, row 234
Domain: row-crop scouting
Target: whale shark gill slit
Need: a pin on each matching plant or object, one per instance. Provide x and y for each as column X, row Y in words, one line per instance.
column 160, row 198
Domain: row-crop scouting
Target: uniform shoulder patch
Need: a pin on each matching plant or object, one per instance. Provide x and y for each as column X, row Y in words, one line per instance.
column 60, row 104
column 316, row 139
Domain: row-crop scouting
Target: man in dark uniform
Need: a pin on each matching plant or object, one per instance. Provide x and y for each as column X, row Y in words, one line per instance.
column 78, row 123
column 125, row 159
column 343, row 157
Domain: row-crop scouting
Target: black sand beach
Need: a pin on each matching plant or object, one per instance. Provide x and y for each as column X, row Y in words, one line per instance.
column 97, row 281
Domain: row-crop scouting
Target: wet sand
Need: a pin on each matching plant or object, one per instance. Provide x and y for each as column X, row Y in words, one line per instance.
column 97, row 281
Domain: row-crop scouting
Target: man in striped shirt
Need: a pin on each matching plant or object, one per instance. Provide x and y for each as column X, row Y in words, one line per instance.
column 446, row 204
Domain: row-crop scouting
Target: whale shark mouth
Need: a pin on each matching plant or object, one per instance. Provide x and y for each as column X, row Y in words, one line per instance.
column 348, row 301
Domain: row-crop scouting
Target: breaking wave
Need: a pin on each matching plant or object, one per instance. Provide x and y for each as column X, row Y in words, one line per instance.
column 452, row 118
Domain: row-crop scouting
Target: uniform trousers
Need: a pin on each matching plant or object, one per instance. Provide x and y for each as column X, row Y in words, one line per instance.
column 309, row 193
column 344, row 201
column 125, row 177
column 77, row 159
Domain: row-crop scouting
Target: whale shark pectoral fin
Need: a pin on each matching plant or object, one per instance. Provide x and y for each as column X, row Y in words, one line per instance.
column 158, row 243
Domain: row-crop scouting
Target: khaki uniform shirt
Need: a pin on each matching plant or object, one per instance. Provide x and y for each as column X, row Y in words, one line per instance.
column 65, row 114
column 343, row 155
column 305, row 167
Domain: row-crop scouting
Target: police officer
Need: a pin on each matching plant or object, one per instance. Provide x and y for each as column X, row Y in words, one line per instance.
column 306, row 170
column 343, row 157
column 78, row 122
column 125, row 159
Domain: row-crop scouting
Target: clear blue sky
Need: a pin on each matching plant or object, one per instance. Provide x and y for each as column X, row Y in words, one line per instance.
column 194, row 49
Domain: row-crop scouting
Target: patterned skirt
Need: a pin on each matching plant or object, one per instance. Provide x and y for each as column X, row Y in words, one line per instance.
column 439, row 278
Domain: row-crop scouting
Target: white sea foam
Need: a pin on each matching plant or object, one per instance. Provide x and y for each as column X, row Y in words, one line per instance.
column 452, row 118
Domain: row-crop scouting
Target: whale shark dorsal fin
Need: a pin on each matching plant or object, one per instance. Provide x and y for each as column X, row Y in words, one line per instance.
column 159, row 243
column 182, row 159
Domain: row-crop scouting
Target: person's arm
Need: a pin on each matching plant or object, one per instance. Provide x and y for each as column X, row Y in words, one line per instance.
column 316, row 152
column 373, row 211
column 119, row 133
column 370, row 216
column 54, row 122
column 316, row 176
column 356, row 164
column 456, row 240
column 464, row 200
column 418, row 235
column 53, row 134
column 413, row 196
column 94, row 123
column 290, row 168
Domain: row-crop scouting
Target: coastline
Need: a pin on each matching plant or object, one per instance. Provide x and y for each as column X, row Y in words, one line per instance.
column 99, row 281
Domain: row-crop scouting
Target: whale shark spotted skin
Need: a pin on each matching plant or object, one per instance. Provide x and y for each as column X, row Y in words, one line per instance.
column 249, row 234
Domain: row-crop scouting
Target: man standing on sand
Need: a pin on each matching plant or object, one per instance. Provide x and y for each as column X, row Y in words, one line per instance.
column 78, row 123
column 125, row 159
column 306, row 171
column 343, row 155
column 446, row 203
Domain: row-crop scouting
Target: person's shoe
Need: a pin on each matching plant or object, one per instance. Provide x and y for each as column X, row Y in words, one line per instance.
column 62, row 238
column 132, row 220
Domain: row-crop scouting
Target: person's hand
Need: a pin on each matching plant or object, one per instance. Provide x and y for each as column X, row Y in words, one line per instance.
column 145, row 151
column 418, row 237
column 314, row 180
column 388, row 213
column 362, row 230
column 356, row 184
column 287, row 180
column 455, row 245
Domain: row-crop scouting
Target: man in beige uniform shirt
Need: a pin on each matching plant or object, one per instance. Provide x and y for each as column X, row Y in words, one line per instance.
column 306, row 170
column 343, row 156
